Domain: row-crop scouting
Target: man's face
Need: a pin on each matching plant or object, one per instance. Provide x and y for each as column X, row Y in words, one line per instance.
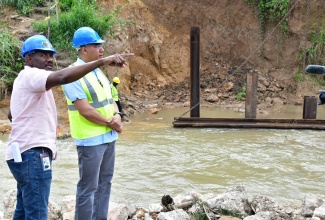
column 94, row 51
column 41, row 59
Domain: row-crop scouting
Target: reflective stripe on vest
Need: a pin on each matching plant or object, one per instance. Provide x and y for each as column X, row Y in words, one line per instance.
column 95, row 103
column 98, row 92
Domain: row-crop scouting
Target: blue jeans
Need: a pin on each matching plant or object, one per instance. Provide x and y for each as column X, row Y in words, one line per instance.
column 96, row 169
column 33, row 185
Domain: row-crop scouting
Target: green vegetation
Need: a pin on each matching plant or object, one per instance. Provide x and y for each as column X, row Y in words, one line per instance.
column 320, row 80
column 200, row 216
column 241, row 94
column 273, row 10
column 10, row 61
column 66, row 5
column 276, row 10
column 298, row 76
column 317, row 79
column 203, row 211
column 315, row 53
column 24, row 7
column 82, row 13
column 77, row 13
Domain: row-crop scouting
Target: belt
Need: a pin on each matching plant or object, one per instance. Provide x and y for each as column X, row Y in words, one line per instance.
column 40, row 148
column 43, row 149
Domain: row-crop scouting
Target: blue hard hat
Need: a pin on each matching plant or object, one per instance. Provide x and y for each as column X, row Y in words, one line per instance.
column 36, row 42
column 84, row 36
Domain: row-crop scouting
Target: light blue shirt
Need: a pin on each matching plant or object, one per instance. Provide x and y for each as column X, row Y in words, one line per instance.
column 75, row 91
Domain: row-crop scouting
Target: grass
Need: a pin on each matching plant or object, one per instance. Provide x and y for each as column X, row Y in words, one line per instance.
column 10, row 61
column 81, row 14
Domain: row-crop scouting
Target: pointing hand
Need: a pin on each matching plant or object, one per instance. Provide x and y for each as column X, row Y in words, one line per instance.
column 117, row 60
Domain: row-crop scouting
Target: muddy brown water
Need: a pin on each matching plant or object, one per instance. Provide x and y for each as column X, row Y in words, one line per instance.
column 155, row 159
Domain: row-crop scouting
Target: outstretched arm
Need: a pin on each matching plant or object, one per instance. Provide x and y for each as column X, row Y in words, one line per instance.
column 71, row 74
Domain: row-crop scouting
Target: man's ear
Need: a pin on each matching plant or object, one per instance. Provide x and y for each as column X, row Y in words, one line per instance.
column 84, row 50
column 28, row 60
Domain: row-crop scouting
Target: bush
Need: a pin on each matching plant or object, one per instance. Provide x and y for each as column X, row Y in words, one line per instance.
column 242, row 94
column 273, row 10
column 316, row 51
column 82, row 14
column 65, row 5
column 298, row 76
column 24, row 7
column 10, row 61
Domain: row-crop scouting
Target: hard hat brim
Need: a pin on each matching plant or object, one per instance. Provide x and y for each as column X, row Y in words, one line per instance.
column 23, row 55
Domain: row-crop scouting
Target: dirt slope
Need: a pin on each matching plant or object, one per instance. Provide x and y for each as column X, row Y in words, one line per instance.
column 230, row 37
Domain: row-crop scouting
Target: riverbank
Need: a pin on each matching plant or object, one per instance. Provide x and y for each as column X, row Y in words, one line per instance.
column 231, row 204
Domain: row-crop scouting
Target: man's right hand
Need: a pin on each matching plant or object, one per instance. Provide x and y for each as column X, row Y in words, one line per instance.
column 117, row 60
column 115, row 123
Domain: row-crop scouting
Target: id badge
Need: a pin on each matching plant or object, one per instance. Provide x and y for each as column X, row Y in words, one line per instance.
column 45, row 158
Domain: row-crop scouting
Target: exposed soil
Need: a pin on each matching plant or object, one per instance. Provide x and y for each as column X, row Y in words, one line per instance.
column 230, row 47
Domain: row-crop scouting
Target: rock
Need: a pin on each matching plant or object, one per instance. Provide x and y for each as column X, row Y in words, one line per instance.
column 264, row 204
column 54, row 211
column 9, row 203
column 120, row 211
column 179, row 214
column 263, row 81
column 269, row 101
column 68, row 207
column 278, row 101
column 227, row 87
column 310, row 203
column 140, row 213
column 155, row 208
column 228, row 218
column 320, row 212
column 259, row 216
column 234, row 200
column 1, row 216
column 153, row 111
column 261, row 88
column 212, row 98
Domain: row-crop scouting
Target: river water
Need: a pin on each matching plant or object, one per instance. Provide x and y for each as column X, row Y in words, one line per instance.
column 155, row 159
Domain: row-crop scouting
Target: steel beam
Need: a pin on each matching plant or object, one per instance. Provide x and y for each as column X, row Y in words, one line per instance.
column 195, row 72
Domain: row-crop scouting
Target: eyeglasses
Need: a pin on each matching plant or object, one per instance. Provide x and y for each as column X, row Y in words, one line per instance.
column 95, row 45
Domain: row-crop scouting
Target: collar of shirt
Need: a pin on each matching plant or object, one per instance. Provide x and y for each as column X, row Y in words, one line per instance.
column 83, row 62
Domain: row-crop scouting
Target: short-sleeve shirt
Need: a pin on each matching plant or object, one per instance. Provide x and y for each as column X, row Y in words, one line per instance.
column 75, row 91
column 33, row 110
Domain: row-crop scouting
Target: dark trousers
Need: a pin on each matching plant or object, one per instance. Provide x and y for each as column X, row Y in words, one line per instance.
column 96, row 168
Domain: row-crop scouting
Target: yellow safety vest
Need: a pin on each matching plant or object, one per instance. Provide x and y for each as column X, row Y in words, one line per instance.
column 100, row 97
column 114, row 93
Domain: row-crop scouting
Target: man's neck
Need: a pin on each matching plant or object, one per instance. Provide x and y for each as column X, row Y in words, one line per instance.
column 84, row 58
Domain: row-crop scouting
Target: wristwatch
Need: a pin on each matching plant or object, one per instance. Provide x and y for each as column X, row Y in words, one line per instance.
column 120, row 113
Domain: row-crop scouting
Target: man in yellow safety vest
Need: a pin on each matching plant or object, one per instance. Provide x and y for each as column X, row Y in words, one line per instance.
column 116, row 98
column 95, row 122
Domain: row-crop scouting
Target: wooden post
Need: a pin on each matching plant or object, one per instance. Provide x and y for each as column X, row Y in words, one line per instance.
column 49, row 20
column 310, row 107
column 195, row 72
column 57, row 9
column 251, row 95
